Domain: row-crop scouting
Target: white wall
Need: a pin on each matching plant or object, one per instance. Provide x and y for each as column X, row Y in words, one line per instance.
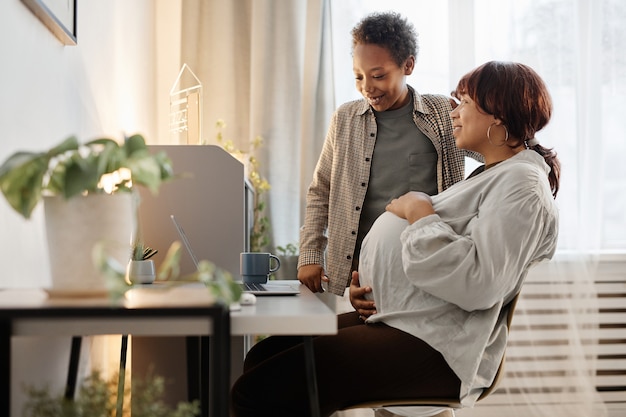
column 103, row 86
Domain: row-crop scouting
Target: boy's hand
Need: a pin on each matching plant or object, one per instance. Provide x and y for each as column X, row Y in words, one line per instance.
column 312, row 276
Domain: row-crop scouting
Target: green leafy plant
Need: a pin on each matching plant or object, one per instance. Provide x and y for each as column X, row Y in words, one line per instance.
column 70, row 169
column 259, row 236
column 98, row 397
column 290, row 249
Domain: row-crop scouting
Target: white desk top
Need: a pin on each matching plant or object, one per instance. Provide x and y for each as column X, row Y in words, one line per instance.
column 285, row 315
column 278, row 315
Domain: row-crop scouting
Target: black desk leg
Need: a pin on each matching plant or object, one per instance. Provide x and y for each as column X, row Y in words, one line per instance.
column 219, row 382
column 72, row 372
column 5, row 368
column 197, row 371
column 193, row 362
column 121, row 378
column 205, row 352
column 309, row 358
column 208, row 367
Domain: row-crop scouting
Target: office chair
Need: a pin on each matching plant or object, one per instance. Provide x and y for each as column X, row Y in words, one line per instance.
column 442, row 402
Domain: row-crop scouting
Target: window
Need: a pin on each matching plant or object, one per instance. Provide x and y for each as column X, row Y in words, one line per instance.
column 576, row 46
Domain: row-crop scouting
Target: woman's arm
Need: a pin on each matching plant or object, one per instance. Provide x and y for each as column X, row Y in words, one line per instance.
column 474, row 260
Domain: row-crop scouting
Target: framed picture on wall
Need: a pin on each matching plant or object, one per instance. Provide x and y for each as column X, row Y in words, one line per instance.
column 59, row 16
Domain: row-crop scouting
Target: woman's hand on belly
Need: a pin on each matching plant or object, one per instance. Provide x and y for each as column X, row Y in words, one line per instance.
column 358, row 299
column 411, row 206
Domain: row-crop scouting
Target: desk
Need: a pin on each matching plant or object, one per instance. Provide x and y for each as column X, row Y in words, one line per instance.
column 31, row 313
column 285, row 315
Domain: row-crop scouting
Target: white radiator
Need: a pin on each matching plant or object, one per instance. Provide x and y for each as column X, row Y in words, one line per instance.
column 545, row 297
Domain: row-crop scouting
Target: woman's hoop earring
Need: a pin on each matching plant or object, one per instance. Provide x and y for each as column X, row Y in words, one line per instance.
column 506, row 135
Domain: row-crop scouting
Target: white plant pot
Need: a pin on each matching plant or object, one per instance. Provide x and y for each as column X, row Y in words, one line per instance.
column 73, row 227
column 140, row 272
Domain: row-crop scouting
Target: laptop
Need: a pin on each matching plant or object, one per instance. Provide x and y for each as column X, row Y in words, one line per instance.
column 268, row 288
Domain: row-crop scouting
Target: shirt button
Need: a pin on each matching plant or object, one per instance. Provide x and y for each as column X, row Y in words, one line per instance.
column 353, row 232
column 372, row 135
column 363, row 184
column 348, row 257
column 367, row 159
column 357, row 208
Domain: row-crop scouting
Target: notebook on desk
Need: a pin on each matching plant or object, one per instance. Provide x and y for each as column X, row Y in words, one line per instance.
column 268, row 288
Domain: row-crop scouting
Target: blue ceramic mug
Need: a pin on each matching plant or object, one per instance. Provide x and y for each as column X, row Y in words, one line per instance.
column 255, row 267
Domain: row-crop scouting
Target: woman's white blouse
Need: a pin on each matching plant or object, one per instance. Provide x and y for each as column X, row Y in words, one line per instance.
column 446, row 277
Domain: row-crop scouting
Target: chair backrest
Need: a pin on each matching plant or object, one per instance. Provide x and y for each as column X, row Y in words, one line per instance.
column 509, row 319
column 445, row 402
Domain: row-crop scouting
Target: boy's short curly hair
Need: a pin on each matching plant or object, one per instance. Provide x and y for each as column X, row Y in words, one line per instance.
column 389, row 30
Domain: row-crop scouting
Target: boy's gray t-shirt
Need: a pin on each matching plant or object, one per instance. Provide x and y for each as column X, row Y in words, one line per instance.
column 404, row 160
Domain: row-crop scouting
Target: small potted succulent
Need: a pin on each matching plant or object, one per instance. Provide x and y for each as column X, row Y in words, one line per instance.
column 141, row 269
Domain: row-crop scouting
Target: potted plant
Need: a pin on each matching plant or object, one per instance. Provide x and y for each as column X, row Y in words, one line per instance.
column 141, row 269
column 86, row 189
column 288, row 255
column 98, row 396
column 91, row 214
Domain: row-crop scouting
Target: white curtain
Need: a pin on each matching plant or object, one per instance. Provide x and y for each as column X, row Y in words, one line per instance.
column 266, row 70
